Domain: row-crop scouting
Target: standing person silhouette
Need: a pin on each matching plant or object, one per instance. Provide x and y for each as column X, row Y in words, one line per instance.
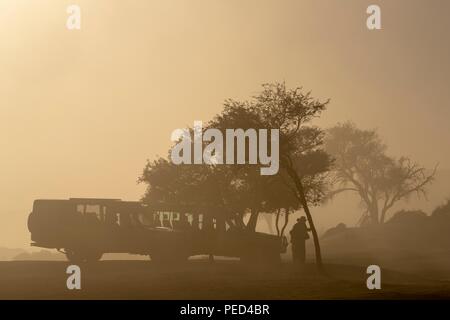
column 299, row 235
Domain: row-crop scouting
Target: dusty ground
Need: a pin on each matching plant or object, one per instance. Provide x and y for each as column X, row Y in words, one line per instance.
column 203, row 280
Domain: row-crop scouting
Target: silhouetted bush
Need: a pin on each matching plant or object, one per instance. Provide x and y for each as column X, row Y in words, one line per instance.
column 408, row 217
column 341, row 227
column 442, row 211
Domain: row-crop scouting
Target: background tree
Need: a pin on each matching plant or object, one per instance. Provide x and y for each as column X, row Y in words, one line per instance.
column 361, row 165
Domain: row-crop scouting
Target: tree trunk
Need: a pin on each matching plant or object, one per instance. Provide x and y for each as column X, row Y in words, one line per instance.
column 277, row 220
column 239, row 219
column 251, row 224
column 373, row 212
column 302, row 198
column 286, row 221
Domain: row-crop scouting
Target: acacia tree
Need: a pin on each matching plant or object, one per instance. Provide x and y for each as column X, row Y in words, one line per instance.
column 230, row 191
column 303, row 162
column 201, row 186
column 257, row 189
column 361, row 165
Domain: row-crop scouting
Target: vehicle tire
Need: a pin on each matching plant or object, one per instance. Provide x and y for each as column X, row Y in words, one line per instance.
column 93, row 256
column 74, row 256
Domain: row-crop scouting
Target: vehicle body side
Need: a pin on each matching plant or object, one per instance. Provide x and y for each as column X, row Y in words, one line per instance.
column 97, row 226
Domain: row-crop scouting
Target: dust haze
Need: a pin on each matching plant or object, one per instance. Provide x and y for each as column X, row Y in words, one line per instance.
column 82, row 112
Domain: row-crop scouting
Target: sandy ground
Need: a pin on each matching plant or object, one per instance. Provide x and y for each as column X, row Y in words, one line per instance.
column 203, row 280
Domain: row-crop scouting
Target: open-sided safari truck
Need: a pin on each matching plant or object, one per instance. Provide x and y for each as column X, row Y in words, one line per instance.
column 85, row 229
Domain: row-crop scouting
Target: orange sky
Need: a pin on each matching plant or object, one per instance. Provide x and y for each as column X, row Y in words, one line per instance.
column 81, row 111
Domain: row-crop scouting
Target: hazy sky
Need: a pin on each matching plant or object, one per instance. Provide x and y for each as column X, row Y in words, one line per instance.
column 81, row 111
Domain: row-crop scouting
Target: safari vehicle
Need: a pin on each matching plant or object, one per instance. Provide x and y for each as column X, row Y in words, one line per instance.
column 85, row 229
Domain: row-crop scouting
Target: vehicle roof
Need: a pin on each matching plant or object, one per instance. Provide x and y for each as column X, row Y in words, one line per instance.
column 84, row 200
column 94, row 200
column 163, row 207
